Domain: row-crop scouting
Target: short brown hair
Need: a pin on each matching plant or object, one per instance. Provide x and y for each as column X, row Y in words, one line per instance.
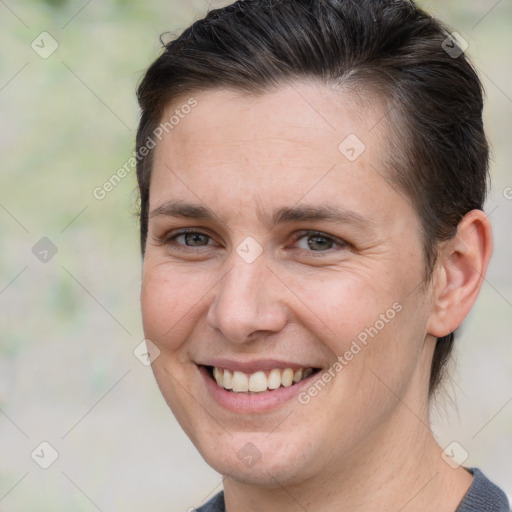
column 392, row 47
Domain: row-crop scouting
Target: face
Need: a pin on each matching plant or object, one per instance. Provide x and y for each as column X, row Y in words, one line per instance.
column 282, row 265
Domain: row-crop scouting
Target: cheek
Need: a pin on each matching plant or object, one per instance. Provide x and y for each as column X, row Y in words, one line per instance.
column 342, row 306
column 383, row 354
column 171, row 301
column 373, row 326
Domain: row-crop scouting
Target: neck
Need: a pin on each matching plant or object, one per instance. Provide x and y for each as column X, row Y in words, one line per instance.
column 398, row 467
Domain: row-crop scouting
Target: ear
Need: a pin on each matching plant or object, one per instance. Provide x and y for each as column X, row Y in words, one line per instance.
column 461, row 268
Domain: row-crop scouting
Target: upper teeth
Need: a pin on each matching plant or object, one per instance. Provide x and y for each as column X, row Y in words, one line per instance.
column 241, row 382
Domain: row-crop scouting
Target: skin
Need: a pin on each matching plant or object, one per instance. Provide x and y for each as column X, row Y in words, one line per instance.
column 364, row 442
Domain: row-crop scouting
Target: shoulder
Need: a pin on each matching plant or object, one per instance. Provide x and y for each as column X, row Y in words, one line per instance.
column 483, row 496
column 216, row 504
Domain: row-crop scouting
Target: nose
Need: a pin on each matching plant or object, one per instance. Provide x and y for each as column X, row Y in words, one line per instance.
column 248, row 303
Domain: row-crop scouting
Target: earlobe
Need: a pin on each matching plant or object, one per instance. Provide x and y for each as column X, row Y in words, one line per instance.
column 462, row 265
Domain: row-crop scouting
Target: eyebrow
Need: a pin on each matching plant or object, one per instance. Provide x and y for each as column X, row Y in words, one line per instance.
column 183, row 210
column 325, row 212
column 302, row 213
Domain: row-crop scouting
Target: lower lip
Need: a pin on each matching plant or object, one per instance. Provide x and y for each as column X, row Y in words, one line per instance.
column 252, row 403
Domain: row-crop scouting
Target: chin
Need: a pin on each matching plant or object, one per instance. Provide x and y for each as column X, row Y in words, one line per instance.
column 275, row 464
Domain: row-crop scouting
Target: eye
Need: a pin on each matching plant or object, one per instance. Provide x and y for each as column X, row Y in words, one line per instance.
column 317, row 242
column 191, row 239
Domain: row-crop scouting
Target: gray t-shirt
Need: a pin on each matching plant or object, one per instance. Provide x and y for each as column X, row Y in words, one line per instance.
column 482, row 496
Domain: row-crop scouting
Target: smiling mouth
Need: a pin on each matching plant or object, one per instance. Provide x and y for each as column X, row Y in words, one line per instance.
column 258, row 382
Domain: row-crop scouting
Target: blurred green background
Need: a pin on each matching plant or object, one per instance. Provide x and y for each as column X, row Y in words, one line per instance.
column 71, row 320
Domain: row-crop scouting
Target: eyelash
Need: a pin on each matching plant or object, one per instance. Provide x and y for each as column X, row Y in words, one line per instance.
column 171, row 240
column 341, row 244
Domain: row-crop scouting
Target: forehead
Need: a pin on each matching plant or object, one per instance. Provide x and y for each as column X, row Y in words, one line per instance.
column 300, row 141
column 300, row 112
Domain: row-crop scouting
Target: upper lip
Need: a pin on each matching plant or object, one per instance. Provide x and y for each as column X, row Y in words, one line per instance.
column 255, row 365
